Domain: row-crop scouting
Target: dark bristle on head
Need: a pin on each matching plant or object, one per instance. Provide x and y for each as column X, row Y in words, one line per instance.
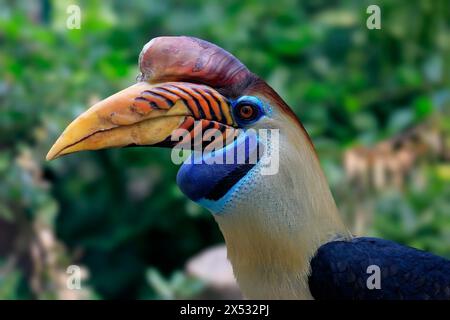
column 193, row 60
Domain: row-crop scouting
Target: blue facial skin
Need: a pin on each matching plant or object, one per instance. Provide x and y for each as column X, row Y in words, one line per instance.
column 211, row 181
column 212, row 178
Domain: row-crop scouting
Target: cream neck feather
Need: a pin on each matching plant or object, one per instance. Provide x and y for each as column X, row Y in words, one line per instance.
column 276, row 223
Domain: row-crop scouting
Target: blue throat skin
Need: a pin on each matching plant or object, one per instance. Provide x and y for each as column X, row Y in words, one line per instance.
column 212, row 179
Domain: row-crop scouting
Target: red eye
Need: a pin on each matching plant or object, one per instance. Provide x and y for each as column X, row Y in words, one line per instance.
column 246, row 111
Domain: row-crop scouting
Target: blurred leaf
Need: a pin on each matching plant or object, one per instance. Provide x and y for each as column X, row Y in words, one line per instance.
column 423, row 107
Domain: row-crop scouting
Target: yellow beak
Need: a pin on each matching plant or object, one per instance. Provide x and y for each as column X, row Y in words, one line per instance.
column 145, row 114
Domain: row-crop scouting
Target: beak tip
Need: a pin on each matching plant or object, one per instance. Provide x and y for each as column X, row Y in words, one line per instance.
column 49, row 157
column 52, row 154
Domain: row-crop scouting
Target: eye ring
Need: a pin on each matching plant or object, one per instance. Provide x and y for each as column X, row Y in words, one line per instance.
column 247, row 109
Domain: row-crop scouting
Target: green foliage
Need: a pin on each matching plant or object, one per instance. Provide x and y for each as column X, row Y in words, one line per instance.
column 121, row 208
column 420, row 216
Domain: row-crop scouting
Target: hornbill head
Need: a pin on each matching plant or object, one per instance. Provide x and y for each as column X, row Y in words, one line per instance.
column 272, row 223
column 190, row 92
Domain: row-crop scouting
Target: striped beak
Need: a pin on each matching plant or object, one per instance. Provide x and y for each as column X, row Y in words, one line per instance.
column 146, row 114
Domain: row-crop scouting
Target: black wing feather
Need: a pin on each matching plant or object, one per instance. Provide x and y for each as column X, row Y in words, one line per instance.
column 339, row 271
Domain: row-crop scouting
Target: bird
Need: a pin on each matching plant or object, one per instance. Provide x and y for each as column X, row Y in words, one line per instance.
column 284, row 235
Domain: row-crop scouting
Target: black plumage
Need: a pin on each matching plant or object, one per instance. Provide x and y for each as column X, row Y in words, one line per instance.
column 339, row 270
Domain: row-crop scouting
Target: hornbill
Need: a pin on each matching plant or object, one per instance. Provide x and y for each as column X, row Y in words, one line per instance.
column 284, row 236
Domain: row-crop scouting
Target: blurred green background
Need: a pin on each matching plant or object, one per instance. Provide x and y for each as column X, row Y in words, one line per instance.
column 375, row 102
